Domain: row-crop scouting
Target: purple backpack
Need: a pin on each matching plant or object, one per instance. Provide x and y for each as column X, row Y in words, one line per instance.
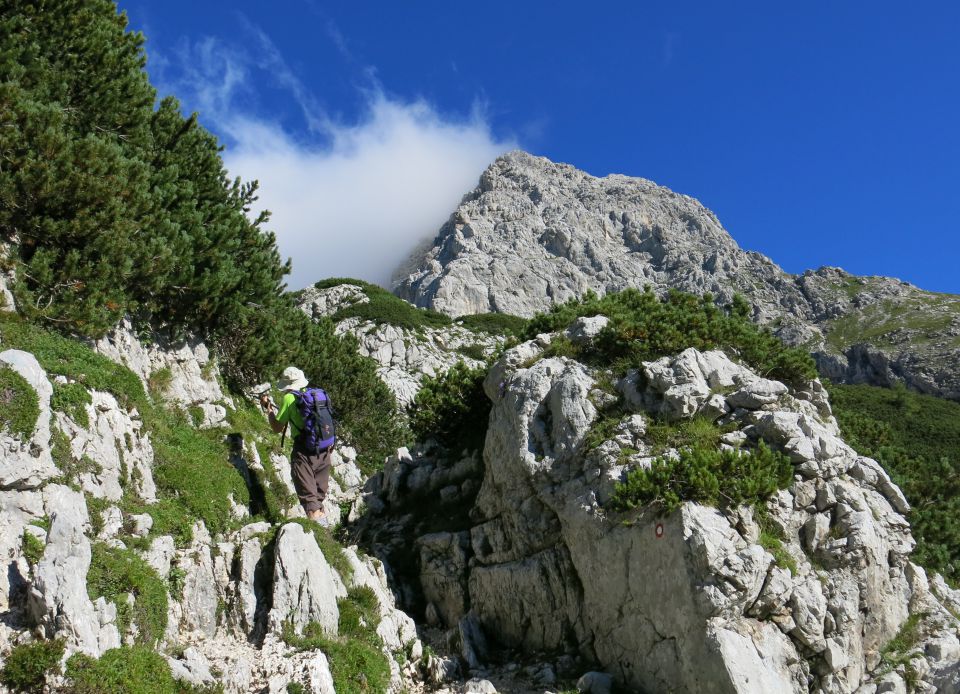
column 319, row 428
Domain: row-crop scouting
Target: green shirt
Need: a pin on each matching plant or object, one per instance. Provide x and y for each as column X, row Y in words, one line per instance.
column 290, row 414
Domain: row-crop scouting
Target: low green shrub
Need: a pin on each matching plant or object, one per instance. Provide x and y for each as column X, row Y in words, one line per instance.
column 32, row 547
column 643, row 327
column 494, row 323
column 19, row 404
column 357, row 662
column 116, row 572
column 126, row 670
column 384, row 307
column 475, row 351
column 916, row 438
column 27, row 665
column 72, row 399
column 707, row 476
column 452, row 408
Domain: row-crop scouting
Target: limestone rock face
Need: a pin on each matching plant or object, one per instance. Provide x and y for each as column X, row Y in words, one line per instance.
column 404, row 356
column 26, row 464
column 305, row 588
column 691, row 601
column 191, row 379
column 58, row 598
column 534, row 233
column 114, row 440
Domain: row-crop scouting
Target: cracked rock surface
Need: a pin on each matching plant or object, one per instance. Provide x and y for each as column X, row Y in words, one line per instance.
column 691, row 601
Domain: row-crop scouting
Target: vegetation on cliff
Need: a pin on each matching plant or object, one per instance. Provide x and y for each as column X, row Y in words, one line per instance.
column 116, row 204
column 644, row 327
column 917, row 440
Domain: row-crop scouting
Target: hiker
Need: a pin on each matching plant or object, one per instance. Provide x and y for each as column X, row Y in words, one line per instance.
column 307, row 411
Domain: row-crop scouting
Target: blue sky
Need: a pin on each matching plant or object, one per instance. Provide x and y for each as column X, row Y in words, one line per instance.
column 821, row 133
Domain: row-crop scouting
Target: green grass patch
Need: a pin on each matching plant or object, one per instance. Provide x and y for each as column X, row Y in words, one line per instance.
column 384, row 307
column 19, row 404
column 170, row 517
column 876, row 323
column 194, row 468
column 126, row 670
column 159, row 381
column 61, row 355
column 72, row 399
column 902, row 647
column 116, row 572
column 781, row 556
column 697, row 432
column 196, row 415
column 27, row 665
column 916, row 438
column 707, row 476
column 357, row 662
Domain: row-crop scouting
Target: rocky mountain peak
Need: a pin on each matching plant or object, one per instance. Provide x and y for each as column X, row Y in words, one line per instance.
column 534, row 233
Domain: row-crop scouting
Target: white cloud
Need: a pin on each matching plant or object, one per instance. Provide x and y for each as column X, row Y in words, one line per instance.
column 353, row 199
column 358, row 206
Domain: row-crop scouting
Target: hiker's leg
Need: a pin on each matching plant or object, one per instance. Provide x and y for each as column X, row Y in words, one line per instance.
column 321, row 472
column 304, row 481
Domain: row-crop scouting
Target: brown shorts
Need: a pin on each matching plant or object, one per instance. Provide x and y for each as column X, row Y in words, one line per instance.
column 311, row 477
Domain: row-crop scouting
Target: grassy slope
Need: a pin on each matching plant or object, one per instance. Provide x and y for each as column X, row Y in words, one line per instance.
column 194, row 480
column 917, row 440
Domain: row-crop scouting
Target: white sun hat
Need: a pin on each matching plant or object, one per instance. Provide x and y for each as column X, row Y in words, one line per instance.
column 292, row 379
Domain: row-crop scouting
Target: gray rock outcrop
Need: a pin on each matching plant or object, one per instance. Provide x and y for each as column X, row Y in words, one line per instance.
column 535, row 233
column 190, row 374
column 26, row 464
column 305, row 587
column 702, row 599
column 58, row 597
column 404, row 356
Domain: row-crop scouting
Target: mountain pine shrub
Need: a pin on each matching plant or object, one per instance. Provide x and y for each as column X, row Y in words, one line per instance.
column 27, row 665
column 708, row 476
column 452, row 408
column 916, row 438
column 118, row 205
column 644, row 327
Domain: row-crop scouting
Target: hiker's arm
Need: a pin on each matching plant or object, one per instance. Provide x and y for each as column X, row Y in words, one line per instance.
column 274, row 424
column 271, row 411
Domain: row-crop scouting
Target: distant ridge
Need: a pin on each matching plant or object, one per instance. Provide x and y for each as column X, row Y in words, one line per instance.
column 534, row 233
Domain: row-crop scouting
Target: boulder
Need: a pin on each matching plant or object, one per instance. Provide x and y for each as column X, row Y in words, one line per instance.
column 57, row 599
column 305, row 586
